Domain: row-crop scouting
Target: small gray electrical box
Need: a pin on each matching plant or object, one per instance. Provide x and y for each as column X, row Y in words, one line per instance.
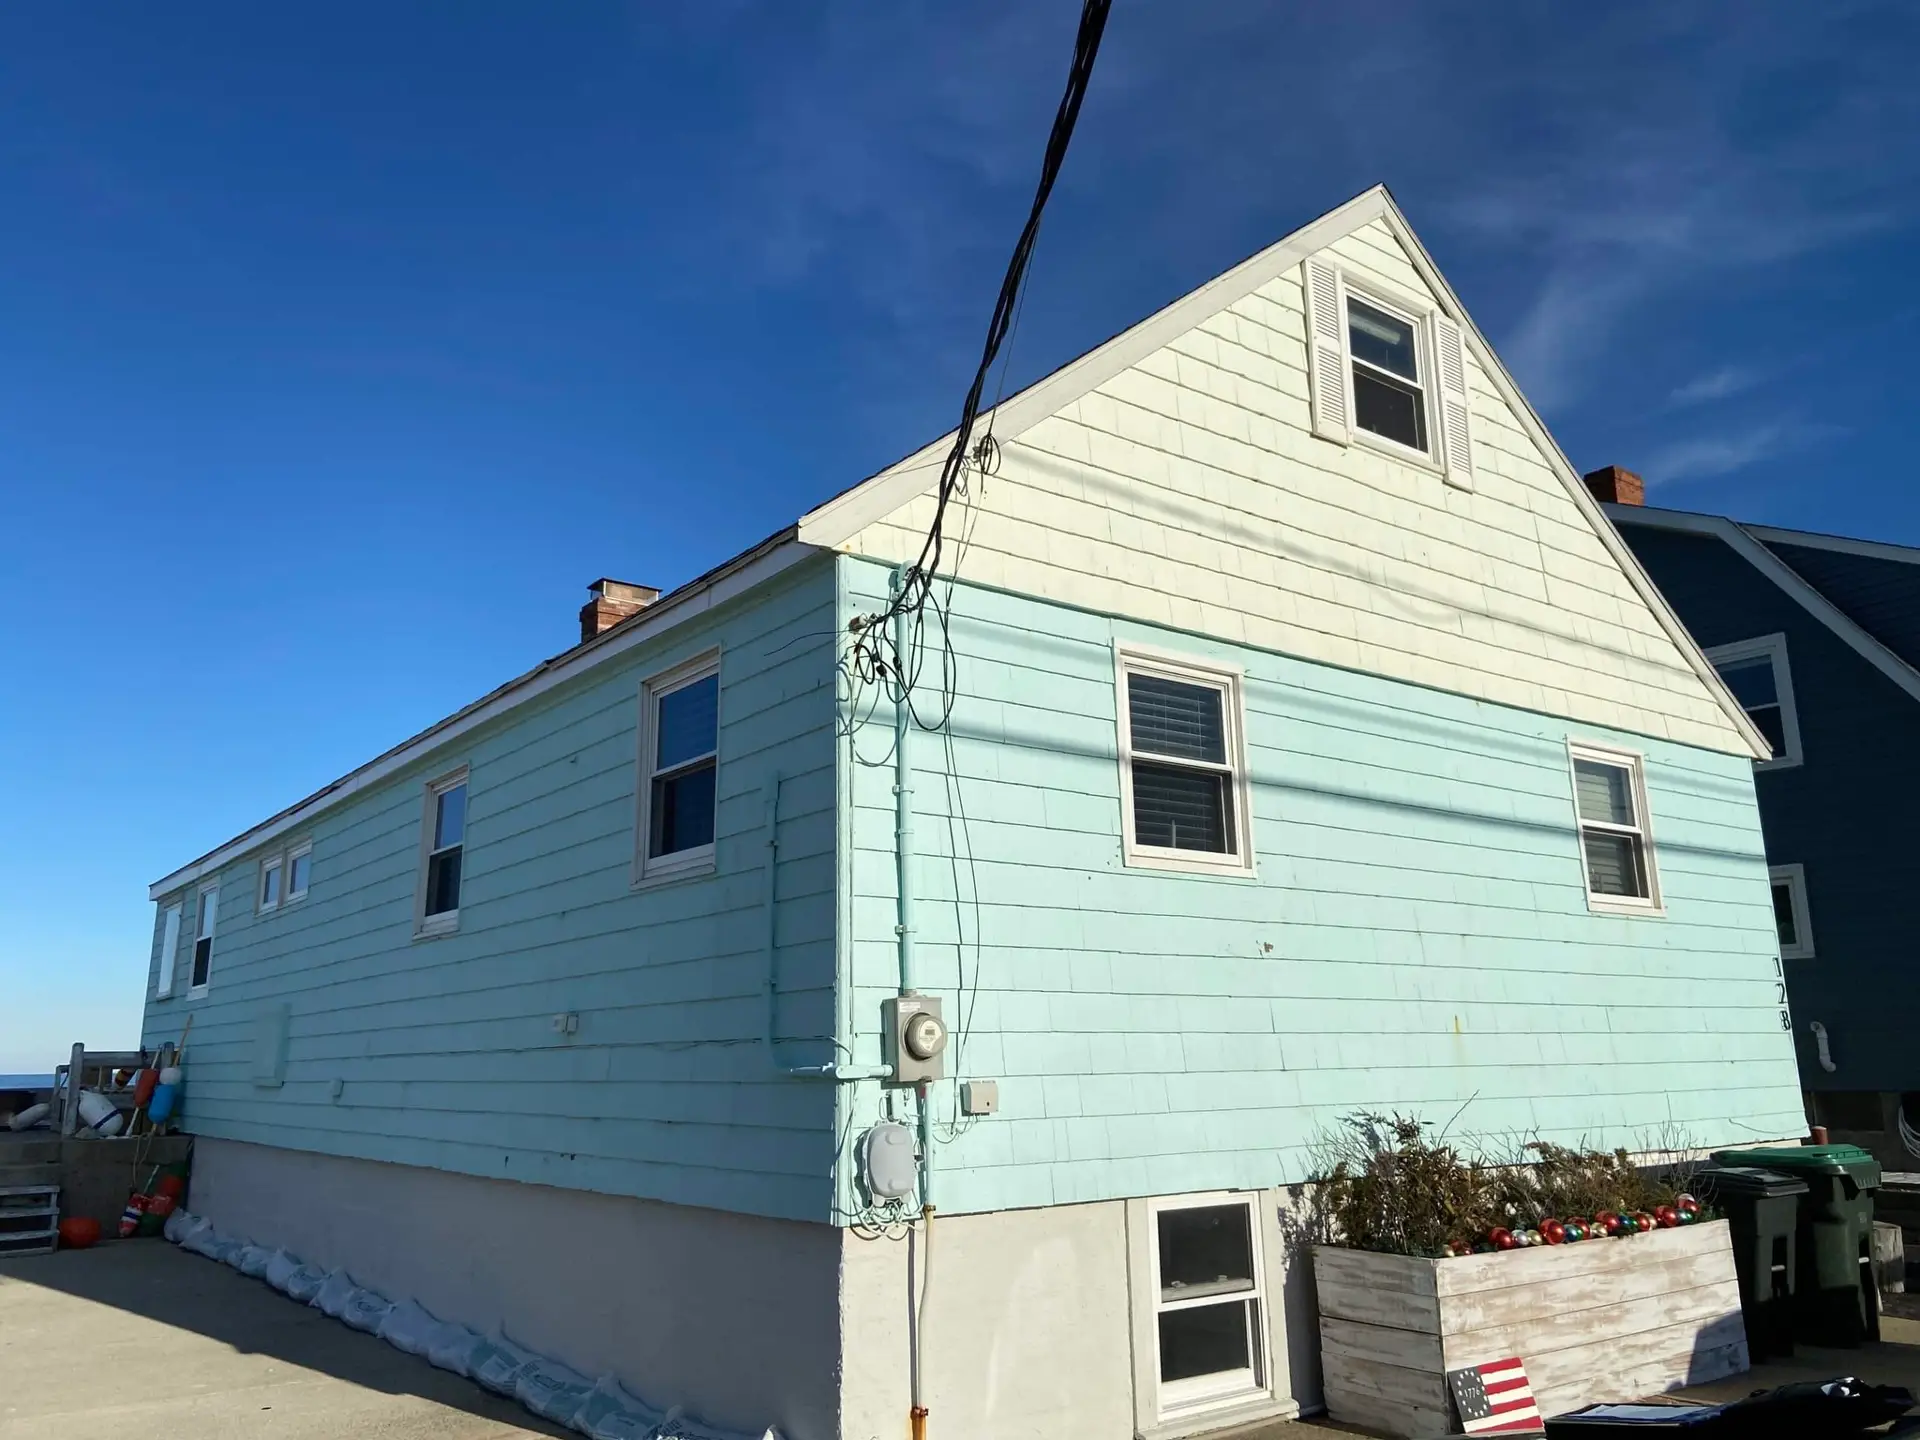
column 979, row 1097
column 914, row 1038
column 887, row 1161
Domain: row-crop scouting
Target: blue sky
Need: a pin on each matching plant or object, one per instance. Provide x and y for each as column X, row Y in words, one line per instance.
column 341, row 346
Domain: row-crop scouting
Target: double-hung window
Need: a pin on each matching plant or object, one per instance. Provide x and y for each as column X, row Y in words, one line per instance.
column 299, row 871
column 1756, row 672
column 1183, row 768
column 1616, row 841
column 679, row 767
column 169, row 951
column 1386, row 369
column 208, row 915
column 1209, row 1303
column 443, row 841
column 272, row 872
column 1790, row 917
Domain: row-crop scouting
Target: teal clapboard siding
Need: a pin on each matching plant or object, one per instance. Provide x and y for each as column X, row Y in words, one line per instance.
column 1417, row 937
column 444, row 1049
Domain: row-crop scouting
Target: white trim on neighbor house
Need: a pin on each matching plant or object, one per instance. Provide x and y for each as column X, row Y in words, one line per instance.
column 1635, row 764
column 1772, row 648
column 442, row 922
column 724, row 582
column 1794, row 877
column 1741, row 541
column 1228, row 682
column 698, row 859
column 838, row 520
column 1842, row 544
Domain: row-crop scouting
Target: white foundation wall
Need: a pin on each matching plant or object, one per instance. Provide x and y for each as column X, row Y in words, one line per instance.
column 733, row 1316
column 1036, row 1328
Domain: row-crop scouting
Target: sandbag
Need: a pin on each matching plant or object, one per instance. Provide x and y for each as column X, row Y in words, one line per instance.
column 227, row 1251
column 365, row 1309
column 282, row 1266
column 252, row 1260
column 333, row 1296
column 407, row 1327
column 205, row 1240
column 610, row 1412
column 551, row 1390
column 496, row 1362
column 451, row 1347
column 683, row 1427
column 180, row 1224
column 305, row 1283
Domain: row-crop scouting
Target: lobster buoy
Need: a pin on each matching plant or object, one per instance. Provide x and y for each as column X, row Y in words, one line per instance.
column 166, row 1095
column 143, row 1084
column 79, row 1232
column 131, row 1216
column 100, row 1114
column 30, row 1117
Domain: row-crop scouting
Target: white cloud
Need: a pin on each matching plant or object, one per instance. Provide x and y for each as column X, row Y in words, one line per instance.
column 1706, row 457
column 1719, row 384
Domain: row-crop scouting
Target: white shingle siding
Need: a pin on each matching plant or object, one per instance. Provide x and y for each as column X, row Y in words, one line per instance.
column 1189, row 490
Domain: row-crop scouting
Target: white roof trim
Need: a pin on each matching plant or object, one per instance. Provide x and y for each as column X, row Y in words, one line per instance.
column 1870, row 549
column 839, row 519
column 696, row 598
column 1742, row 540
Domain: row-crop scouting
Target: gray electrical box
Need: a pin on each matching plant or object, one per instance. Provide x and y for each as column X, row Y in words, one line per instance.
column 979, row 1097
column 914, row 1038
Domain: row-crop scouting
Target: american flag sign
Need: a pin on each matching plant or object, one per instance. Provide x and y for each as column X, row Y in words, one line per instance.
column 1495, row 1398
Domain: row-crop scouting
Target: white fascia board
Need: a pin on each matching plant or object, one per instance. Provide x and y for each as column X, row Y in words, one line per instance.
column 1741, row 540
column 737, row 576
column 847, row 514
column 1576, row 488
column 1869, row 549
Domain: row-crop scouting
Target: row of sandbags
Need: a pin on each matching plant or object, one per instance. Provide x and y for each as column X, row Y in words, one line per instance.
column 600, row 1409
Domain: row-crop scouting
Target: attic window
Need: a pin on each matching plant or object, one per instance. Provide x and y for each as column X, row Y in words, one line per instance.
column 1757, row 674
column 1388, row 399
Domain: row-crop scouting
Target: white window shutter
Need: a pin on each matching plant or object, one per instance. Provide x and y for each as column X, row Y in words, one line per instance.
column 169, row 948
column 1457, row 448
column 1327, row 353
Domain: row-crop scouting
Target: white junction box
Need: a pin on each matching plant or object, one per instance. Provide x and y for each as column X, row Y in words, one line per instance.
column 979, row 1097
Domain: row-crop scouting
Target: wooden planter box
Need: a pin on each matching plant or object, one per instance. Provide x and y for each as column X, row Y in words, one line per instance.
column 1600, row 1320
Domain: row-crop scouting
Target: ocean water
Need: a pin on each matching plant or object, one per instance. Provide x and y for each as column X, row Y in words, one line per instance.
column 26, row 1082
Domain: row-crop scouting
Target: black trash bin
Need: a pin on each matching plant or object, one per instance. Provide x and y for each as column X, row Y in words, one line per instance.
column 1835, row 1299
column 1763, row 1212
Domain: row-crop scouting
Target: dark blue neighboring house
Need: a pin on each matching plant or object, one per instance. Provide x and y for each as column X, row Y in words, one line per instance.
column 1819, row 638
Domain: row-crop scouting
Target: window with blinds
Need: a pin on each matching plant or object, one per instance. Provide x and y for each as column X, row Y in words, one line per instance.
column 1182, row 771
column 1616, row 846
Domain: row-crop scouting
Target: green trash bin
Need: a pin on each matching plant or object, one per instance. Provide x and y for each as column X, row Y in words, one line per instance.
column 1763, row 1213
column 1835, row 1300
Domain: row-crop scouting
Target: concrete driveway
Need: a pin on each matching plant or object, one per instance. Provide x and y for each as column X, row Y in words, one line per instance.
column 140, row 1339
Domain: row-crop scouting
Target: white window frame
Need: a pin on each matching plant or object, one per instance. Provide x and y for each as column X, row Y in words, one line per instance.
column 270, row 865
column 172, row 917
column 1230, row 682
column 1420, row 319
column 302, row 851
column 1771, row 647
column 1794, row 877
column 194, row 992
column 1205, row 1394
column 698, row 859
column 425, row 926
column 1636, row 765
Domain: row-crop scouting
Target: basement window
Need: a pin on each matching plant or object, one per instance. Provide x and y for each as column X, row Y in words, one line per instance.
column 443, row 844
column 679, row 771
column 1209, row 1306
column 1183, row 772
column 1616, row 842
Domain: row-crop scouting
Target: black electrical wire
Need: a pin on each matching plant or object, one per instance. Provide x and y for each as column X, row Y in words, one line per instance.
column 917, row 588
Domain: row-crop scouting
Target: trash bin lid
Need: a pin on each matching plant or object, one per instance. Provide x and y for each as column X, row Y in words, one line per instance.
column 1720, row 1180
column 1809, row 1160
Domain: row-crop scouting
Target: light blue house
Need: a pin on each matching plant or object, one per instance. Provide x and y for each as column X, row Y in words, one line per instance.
column 1293, row 736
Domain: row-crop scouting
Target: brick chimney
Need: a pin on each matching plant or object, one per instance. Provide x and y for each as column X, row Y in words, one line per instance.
column 1611, row 485
column 612, row 602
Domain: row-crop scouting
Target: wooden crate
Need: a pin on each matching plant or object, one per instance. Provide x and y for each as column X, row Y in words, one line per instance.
column 1600, row 1320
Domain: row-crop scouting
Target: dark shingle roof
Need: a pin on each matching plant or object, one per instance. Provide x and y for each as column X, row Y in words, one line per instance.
column 1879, row 594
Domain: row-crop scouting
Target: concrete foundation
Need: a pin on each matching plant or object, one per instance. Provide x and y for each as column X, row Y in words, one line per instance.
column 732, row 1316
